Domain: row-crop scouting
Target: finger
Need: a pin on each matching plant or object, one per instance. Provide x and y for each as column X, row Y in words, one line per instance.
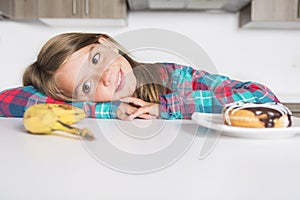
column 126, row 99
column 135, row 101
column 147, row 116
column 140, row 111
column 124, row 117
column 124, row 111
column 152, row 109
column 127, row 109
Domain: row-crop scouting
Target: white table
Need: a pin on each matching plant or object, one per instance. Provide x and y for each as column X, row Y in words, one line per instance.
column 55, row 167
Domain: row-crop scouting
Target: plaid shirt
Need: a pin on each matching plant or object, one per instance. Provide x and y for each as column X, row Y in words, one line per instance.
column 14, row 102
column 190, row 91
column 198, row 91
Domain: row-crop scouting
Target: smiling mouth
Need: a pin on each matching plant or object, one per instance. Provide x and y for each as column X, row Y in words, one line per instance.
column 120, row 82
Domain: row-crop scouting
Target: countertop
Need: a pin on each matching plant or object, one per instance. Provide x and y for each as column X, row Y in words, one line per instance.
column 145, row 160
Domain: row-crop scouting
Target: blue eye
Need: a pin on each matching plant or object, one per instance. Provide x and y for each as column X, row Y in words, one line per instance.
column 86, row 87
column 96, row 58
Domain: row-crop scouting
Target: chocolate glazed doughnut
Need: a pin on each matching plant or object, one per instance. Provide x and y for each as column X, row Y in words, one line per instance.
column 257, row 115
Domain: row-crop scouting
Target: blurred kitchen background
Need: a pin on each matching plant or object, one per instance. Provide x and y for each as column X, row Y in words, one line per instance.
column 255, row 40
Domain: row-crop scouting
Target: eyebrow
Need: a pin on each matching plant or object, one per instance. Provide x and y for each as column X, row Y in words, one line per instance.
column 81, row 81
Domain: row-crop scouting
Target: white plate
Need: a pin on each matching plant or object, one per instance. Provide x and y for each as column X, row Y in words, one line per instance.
column 215, row 121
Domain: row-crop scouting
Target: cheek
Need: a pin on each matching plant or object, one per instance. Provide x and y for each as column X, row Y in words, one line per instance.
column 65, row 83
column 126, row 64
column 103, row 94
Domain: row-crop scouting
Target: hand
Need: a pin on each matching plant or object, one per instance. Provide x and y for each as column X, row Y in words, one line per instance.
column 136, row 107
column 125, row 110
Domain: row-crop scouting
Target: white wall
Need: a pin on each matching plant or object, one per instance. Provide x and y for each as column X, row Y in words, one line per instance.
column 271, row 57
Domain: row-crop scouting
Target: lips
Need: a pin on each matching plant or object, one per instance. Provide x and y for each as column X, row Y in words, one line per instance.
column 120, row 81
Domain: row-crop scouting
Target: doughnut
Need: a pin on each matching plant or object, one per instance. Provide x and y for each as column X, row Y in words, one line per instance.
column 257, row 115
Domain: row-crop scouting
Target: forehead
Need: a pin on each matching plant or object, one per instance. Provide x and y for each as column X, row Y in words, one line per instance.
column 81, row 54
column 76, row 60
column 67, row 73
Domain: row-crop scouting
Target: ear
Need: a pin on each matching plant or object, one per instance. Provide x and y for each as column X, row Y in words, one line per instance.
column 108, row 43
column 102, row 40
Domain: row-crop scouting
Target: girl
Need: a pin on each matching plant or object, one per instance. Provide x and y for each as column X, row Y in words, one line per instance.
column 87, row 67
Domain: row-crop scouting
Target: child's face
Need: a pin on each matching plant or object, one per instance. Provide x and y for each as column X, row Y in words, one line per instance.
column 96, row 73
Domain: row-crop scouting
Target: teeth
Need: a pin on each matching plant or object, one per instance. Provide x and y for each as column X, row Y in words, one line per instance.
column 119, row 80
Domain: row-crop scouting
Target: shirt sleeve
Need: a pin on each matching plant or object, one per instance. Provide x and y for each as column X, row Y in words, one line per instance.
column 15, row 101
column 209, row 94
column 100, row 110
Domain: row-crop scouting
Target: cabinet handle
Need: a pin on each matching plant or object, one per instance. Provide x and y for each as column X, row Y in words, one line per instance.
column 87, row 7
column 74, row 7
column 298, row 8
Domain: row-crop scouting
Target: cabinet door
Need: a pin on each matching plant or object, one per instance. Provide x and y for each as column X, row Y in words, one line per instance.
column 7, row 8
column 26, row 9
column 298, row 9
column 275, row 10
column 60, row 8
column 111, row 9
column 19, row 9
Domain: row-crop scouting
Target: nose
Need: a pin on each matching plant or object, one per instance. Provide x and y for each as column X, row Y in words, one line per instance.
column 106, row 77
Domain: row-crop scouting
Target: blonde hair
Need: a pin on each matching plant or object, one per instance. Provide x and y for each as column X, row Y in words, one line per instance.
column 53, row 54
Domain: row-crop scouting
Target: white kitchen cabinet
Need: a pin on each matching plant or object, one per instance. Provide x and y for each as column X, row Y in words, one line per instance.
column 270, row 14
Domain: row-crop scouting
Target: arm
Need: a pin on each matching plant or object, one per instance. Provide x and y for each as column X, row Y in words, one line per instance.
column 14, row 102
column 209, row 94
column 199, row 91
column 100, row 110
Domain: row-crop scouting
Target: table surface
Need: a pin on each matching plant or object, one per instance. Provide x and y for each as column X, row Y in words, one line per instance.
column 145, row 160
